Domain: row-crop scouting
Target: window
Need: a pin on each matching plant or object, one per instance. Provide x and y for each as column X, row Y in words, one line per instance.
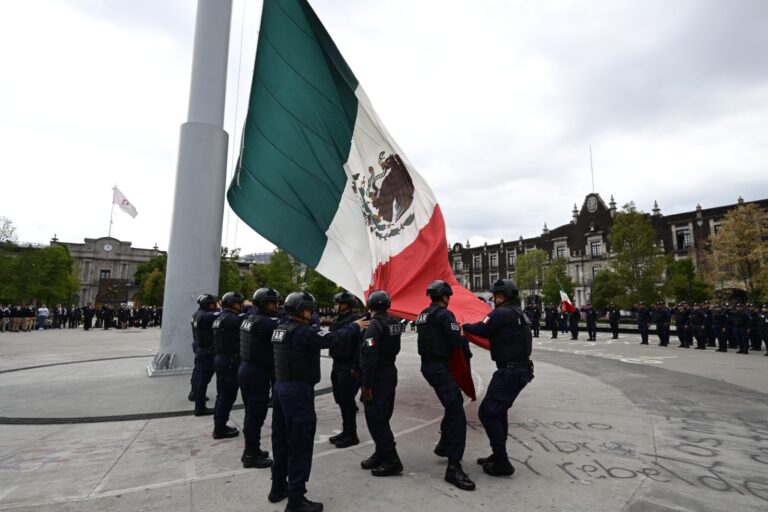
column 476, row 262
column 511, row 258
column 494, row 278
column 104, row 274
column 457, row 265
column 596, row 249
column 717, row 229
column 683, row 239
column 511, row 275
column 560, row 251
column 494, row 260
column 478, row 282
column 595, row 271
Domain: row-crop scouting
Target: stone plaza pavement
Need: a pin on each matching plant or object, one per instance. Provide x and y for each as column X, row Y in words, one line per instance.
column 605, row 426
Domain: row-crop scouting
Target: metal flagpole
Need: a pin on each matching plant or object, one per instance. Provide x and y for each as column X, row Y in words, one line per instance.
column 112, row 213
column 591, row 168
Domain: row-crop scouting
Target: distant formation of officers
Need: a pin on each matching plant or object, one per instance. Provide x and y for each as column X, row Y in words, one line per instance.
column 271, row 354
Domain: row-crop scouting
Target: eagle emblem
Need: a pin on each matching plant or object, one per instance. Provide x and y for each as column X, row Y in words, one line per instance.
column 385, row 197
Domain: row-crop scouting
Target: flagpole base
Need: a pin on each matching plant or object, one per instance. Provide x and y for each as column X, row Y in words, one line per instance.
column 164, row 364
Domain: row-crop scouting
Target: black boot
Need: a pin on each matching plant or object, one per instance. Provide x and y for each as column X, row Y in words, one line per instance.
column 483, row 460
column 225, row 432
column 203, row 411
column 191, row 396
column 278, row 492
column 499, row 466
column 349, row 439
column 372, row 461
column 335, row 438
column 456, row 476
column 258, row 459
column 440, row 451
column 302, row 504
column 390, row 466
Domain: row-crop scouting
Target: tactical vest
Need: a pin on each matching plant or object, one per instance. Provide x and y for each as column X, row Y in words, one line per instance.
column 254, row 349
column 390, row 342
column 348, row 348
column 518, row 348
column 292, row 365
column 226, row 338
column 203, row 337
column 430, row 342
column 718, row 318
column 740, row 320
column 698, row 317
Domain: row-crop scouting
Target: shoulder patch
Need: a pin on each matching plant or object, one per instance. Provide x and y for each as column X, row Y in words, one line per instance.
column 422, row 318
column 370, row 342
column 455, row 326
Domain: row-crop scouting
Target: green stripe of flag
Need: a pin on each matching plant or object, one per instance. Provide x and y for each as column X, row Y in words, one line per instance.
column 297, row 134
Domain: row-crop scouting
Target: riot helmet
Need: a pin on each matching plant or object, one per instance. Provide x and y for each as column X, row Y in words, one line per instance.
column 229, row 299
column 507, row 287
column 297, row 302
column 264, row 295
column 439, row 288
column 378, row 300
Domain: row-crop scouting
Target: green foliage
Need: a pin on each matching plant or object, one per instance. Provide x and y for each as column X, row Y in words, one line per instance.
column 46, row 275
column 556, row 278
column 282, row 273
column 145, row 269
column 230, row 279
column 637, row 263
column 606, row 288
column 153, row 288
column 529, row 269
column 683, row 284
column 321, row 288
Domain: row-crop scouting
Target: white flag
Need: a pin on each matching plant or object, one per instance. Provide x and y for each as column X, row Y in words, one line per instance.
column 124, row 204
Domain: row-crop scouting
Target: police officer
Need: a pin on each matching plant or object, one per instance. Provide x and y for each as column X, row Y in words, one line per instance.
column 614, row 315
column 553, row 320
column 297, row 344
column 509, row 334
column 697, row 326
column 255, row 373
column 573, row 321
column 226, row 341
column 741, row 327
column 202, row 334
column 643, row 321
column 196, row 367
column 533, row 311
column 345, row 385
column 381, row 344
column 756, row 341
column 661, row 318
column 764, row 326
column 708, row 335
column 438, row 335
column 718, row 328
column 591, row 317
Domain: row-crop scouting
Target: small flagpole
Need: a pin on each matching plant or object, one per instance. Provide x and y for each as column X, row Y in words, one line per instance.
column 591, row 168
column 112, row 213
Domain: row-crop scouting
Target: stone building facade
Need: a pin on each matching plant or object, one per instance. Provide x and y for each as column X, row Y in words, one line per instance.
column 109, row 264
column 584, row 243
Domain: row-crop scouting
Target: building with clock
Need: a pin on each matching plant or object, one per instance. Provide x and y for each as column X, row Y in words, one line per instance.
column 106, row 269
column 584, row 244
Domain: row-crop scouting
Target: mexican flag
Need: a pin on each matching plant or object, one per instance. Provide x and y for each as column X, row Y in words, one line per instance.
column 566, row 302
column 320, row 176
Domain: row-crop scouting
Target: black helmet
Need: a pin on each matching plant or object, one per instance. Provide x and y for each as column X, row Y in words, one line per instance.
column 437, row 289
column 231, row 298
column 297, row 302
column 345, row 298
column 379, row 299
column 505, row 286
column 264, row 295
column 206, row 300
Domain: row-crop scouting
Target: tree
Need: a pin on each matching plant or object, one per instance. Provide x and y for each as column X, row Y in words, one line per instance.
column 556, row 278
column 44, row 275
column 530, row 271
column 322, row 288
column 683, row 283
column 740, row 247
column 7, row 230
column 606, row 289
column 637, row 263
column 229, row 273
column 282, row 272
column 153, row 289
column 145, row 269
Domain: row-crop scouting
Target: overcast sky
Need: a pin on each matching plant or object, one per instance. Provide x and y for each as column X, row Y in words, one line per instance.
column 495, row 101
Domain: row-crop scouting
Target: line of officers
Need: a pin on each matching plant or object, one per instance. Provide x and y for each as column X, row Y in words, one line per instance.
column 741, row 326
column 264, row 350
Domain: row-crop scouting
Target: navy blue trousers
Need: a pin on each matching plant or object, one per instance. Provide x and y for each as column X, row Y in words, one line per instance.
column 683, row 334
column 699, row 334
column 226, row 387
column 293, row 434
column 378, row 411
column 643, row 328
column 506, row 384
column 204, row 363
column 195, row 370
column 662, row 330
column 345, row 390
column 254, row 382
column 741, row 338
column 453, row 428
column 719, row 334
column 592, row 330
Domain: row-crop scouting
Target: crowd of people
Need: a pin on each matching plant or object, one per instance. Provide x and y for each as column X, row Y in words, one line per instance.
column 26, row 318
column 271, row 353
column 721, row 326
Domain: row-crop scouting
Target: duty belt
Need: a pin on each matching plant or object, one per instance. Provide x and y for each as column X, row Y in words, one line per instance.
column 527, row 365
